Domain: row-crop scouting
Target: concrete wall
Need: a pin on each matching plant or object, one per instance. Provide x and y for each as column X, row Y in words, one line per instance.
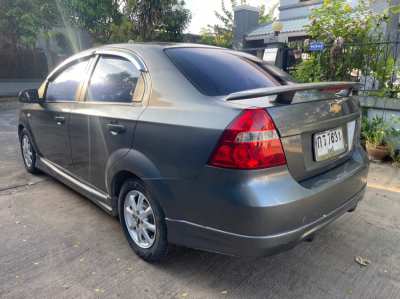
column 387, row 108
column 12, row 87
column 288, row 2
column 289, row 9
column 296, row 12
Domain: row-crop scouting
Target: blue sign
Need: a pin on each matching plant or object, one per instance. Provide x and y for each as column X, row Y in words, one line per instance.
column 316, row 46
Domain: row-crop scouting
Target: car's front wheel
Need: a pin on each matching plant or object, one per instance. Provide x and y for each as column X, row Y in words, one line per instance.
column 28, row 152
column 143, row 222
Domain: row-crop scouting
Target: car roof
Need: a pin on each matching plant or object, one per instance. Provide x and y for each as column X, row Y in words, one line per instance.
column 145, row 50
column 142, row 47
column 154, row 45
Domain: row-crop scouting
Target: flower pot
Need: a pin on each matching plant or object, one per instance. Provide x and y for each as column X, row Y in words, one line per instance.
column 377, row 152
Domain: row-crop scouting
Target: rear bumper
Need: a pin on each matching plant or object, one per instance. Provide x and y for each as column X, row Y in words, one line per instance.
column 251, row 213
column 215, row 240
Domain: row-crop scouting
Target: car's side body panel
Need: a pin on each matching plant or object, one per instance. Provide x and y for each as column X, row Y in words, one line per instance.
column 52, row 121
column 180, row 126
column 100, row 145
column 97, row 196
column 24, row 122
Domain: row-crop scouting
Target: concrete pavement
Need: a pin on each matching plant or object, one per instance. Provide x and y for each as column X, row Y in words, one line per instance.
column 57, row 244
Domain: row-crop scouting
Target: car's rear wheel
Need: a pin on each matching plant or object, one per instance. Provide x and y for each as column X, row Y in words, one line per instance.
column 28, row 152
column 143, row 222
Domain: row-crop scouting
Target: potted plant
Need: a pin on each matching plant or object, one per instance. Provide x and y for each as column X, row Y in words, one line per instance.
column 394, row 145
column 376, row 132
column 395, row 155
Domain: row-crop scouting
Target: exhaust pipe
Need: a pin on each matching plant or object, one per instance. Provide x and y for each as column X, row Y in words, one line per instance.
column 309, row 238
column 353, row 209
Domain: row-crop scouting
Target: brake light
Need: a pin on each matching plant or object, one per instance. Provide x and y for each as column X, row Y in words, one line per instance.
column 249, row 142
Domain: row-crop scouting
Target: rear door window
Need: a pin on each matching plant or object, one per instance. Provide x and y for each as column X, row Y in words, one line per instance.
column 217, row 72
column 115, row 79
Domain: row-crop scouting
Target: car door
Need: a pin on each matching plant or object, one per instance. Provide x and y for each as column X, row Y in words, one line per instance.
column 49, row 120
column 105, row 118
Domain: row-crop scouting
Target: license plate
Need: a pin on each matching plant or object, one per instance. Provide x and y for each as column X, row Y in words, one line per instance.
column 328, row 144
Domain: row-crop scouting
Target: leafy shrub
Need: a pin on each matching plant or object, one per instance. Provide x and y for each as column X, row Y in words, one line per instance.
column 375, row 131
column 308, row 71
column 348, row 33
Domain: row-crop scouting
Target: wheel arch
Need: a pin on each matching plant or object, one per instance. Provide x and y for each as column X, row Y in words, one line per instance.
column 118, row 180
column 136, row 165
column 20, row 128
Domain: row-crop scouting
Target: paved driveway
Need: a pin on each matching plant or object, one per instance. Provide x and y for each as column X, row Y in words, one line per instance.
column 55, row 243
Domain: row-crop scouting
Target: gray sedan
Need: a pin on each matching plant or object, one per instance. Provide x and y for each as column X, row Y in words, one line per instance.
column 197, row 146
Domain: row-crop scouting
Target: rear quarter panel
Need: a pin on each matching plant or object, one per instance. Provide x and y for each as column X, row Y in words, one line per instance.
column 180, row 127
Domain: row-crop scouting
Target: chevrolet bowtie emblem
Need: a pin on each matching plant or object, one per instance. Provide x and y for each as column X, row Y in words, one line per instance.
column 335, row 108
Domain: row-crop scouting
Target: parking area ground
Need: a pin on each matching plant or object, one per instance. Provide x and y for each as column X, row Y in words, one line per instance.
column 57, row 244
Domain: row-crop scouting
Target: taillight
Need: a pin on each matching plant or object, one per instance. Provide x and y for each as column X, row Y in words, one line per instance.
column 249, row 142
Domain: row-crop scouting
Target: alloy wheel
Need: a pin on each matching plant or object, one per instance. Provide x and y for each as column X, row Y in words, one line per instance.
column 27, row 151
column 139, row 219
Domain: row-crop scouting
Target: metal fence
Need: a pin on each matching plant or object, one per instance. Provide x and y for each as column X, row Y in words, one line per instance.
column 375, row 65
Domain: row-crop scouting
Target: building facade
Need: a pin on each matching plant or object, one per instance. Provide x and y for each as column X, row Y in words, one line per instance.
column 293, row 17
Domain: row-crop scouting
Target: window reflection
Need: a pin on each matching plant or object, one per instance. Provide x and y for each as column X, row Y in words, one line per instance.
column 65, row 85
column 217, row 72
column 114, row 80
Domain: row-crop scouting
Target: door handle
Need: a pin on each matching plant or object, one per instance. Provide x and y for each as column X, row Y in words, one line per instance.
column 60, row 120
column 115, row 129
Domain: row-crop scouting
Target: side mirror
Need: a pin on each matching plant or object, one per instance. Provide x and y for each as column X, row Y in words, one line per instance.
column 29, row 96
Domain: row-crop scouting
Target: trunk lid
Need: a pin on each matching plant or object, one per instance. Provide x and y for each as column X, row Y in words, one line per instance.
column 304, row 112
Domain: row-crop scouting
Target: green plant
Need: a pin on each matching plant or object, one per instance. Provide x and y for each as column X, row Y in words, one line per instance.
column 21, row 21
column 123, row 20
column 308, row 71
column 347, row 33
column 375, row 131
column 392, row 90
column 394, row 154
column 94, row 16
column 394, row 143
column 337, row 19
column 162, row 20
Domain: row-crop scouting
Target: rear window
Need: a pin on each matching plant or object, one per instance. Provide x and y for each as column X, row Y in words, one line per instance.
column 217, row 72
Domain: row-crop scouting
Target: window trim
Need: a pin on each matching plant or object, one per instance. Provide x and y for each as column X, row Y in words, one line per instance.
column 98, row 54
column 68, row 62
column 136, row 60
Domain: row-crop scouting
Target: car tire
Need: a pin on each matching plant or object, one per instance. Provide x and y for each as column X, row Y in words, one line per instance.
column 28, row 152
column 142, row 221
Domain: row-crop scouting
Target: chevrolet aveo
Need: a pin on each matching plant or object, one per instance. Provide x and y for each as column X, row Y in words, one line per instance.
column 197, row 146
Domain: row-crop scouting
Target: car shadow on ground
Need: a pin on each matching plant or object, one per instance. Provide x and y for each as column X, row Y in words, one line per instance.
column 307, row 267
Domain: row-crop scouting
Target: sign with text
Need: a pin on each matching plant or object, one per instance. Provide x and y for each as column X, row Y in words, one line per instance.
column 316, row 46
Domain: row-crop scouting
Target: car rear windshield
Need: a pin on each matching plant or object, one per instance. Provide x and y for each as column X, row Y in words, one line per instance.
column 217, row 72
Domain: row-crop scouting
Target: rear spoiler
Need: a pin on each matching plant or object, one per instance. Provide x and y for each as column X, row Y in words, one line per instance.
column 285, row 93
